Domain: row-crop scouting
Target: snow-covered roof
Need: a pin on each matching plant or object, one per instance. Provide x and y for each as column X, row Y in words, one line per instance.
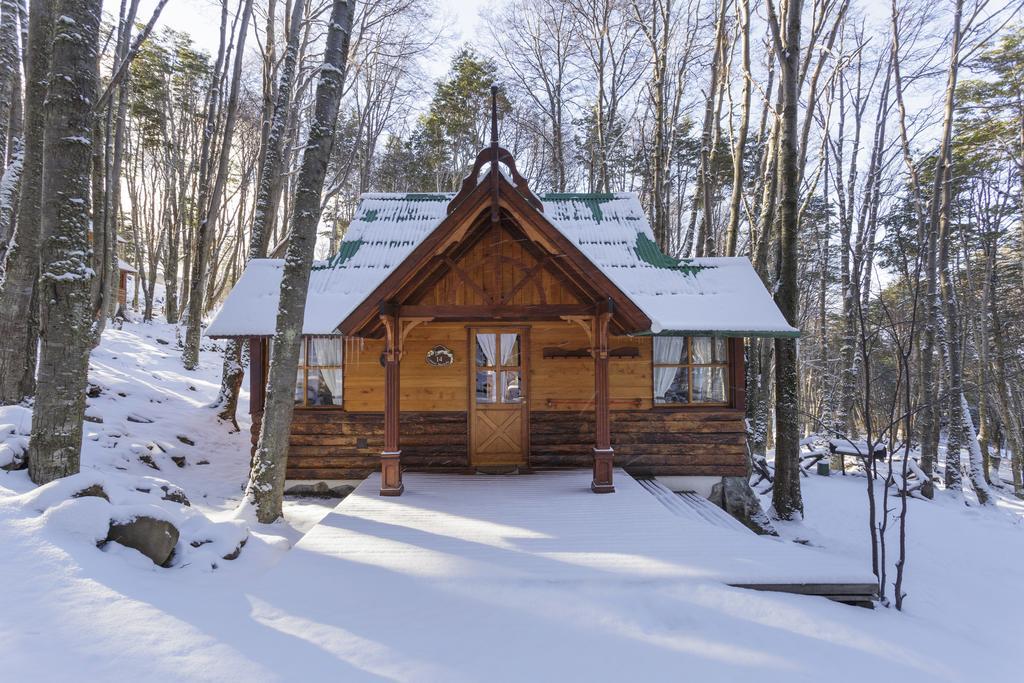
column 125, row 266
column 690, row 296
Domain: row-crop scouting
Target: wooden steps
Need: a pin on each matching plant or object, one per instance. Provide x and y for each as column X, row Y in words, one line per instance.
column 696, row 508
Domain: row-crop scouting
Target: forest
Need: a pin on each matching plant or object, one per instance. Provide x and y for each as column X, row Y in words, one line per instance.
column 867, row 157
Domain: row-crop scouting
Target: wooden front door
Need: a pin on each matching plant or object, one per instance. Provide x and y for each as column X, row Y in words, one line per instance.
column 498, row 408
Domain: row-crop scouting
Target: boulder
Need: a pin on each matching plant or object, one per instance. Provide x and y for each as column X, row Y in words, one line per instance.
column 17, row 462
column 740, row 501
column 147, row 460
column 93, row 491
column 320, row 489
column 154, row 538
column 175, row 495
column 179, row 460
column 233, row 555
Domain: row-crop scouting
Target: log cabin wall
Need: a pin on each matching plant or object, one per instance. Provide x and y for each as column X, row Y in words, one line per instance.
column 345, row 443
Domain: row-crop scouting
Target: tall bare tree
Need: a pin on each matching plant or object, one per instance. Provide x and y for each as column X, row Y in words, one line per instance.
column 265, row 489
column 66, row 271
column 19, row 311
column 786, row 499
column 211, row 208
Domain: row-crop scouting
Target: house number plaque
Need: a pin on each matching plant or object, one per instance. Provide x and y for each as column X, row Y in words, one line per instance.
column 440, row 356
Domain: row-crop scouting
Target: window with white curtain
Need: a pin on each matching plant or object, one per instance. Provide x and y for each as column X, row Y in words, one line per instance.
column 318, row 381
column 690, row 370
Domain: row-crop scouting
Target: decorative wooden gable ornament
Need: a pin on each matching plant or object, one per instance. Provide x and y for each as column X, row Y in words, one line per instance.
column 495, row 155
column 496, row 208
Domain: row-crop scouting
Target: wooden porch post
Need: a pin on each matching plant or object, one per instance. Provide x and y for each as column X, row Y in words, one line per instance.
column 390, row 459
column 603, row 453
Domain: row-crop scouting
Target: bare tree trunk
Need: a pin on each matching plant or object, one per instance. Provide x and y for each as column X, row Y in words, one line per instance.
column 705, row 234
column 9, row 86
column 266, row 481
column 786, row 499
column 66, row 272
column 267, row 197
column 738, row 153
column 110, row 280
column 208, row 222
column 934, row 303
column 19, row 314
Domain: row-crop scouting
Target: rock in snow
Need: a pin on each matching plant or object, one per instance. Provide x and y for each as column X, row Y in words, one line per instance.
column 154, row 538
column 740, row 502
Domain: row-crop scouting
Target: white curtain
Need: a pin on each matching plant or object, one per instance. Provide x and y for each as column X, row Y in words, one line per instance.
column 508, row 345
column 486, row 344
column 700, row 350
column 328, row 352
column 667, row 350
column 663, row 380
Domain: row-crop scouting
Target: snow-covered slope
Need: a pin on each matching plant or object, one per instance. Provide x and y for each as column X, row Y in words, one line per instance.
column 70, row 610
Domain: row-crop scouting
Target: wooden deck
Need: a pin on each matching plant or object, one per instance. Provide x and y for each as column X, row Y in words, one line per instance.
column 547, row 526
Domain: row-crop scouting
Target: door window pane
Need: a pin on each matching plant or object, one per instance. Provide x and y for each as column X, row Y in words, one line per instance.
column 511, row 387
column 670, row 385
column 510, row 350
column 486, row 388
column 486, row 350
column 709, row 385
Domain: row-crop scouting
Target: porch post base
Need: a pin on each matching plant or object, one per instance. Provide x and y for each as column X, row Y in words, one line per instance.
column 391, row 474
column 602, row 482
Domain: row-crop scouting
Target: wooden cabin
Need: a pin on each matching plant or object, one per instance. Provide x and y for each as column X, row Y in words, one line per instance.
column 495, row 330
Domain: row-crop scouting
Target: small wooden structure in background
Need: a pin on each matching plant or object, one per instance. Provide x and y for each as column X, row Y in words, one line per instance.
column 569, row 339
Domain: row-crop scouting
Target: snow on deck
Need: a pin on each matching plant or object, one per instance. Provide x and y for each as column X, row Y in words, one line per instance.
column 549, row 527
column 475, row 577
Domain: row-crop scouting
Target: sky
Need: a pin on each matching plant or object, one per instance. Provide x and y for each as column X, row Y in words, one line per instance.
column 201, row 19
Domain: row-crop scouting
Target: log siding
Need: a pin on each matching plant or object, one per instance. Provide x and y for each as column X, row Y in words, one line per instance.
column 335, row 444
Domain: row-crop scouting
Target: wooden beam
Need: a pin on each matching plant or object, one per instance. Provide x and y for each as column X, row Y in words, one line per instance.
column 738, row 373
column 604, row 456
column 257, row 377
column 390, row 459
column 496, row 312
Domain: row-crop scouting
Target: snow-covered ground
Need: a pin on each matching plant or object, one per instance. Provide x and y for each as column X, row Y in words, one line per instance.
column 71, row 610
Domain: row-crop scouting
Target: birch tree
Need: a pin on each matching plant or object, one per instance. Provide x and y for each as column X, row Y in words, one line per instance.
column 265, row 489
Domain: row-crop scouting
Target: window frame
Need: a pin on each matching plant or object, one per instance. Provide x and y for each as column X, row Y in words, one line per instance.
column 690, row 366
column 305, row 367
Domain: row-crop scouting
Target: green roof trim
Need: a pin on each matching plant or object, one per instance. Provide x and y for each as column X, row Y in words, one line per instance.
column 592, row 200
column 719, row 333
column 426, row 197
column 346, row 251
column 647, row 251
